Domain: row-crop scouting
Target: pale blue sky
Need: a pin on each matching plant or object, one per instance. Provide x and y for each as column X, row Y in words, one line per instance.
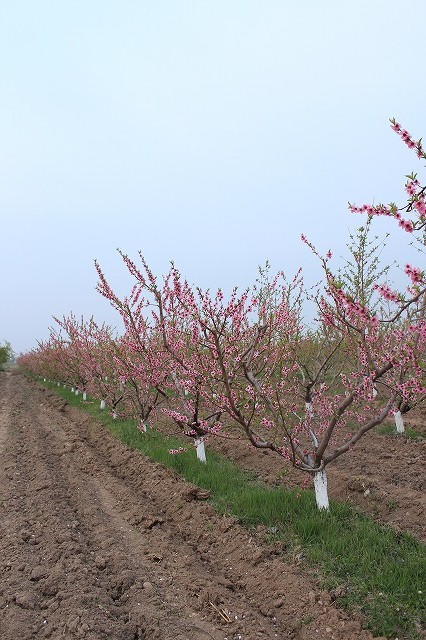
column 210, row 132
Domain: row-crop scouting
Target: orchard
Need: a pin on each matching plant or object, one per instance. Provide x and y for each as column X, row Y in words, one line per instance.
column 248, row 365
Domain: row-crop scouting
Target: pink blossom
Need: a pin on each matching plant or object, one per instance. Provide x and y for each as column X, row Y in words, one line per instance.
column 411, row 187
column 414, row 274
column 407, row 225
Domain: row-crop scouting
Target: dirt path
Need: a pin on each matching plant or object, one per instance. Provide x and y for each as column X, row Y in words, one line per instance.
column 98, row 542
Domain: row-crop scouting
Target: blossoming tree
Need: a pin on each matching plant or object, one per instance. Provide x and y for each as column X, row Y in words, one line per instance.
column 160, row 344
column 307, row 394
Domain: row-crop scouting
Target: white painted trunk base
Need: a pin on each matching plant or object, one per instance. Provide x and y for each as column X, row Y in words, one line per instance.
column 77, row 392
column 201, row 450
column 321, row 493
column 309, row 410
column 102, row 405
column 84, row 395
column 142, row 426
column 114, row 415
column 399, row 421
column 72, row 389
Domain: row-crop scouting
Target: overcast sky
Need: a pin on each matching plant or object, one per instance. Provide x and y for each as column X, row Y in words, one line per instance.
column 210, row 132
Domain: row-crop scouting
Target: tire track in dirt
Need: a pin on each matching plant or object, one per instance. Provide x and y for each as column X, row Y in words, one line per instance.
column 99, row 542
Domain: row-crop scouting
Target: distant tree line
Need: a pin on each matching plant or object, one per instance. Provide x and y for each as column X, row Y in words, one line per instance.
column 6, row 354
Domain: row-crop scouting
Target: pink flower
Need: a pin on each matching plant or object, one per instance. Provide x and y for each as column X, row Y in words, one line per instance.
column 387, row 293
column 414, row 274
column 411, row 187
column 420, row 207
column 407, row 225
column 267, row 423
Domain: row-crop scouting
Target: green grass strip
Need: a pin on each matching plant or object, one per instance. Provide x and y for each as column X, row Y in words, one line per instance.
column 382, row 573
column 409, row 433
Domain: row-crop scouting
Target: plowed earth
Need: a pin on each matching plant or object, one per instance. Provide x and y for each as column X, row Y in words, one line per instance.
column 98, row 542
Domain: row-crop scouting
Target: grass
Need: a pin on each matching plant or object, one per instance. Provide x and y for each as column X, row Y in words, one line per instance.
column 390, row 430
column 379, row 571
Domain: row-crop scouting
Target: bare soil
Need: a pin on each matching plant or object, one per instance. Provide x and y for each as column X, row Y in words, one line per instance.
column 96, row 542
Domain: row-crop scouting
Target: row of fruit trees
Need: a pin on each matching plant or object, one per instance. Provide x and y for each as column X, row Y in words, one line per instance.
column 248, row 364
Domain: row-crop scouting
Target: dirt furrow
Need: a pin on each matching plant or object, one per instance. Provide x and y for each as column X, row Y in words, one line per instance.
column 70, row 566
column 99, row 542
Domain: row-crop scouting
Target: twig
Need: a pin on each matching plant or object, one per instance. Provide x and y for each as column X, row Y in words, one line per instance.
column 221, row 612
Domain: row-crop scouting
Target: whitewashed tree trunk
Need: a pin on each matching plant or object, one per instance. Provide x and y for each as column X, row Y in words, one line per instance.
column 59, row 384
column 399, row 421
column 44, row 379
column 102, row 405
column 84, row 396
column 77, row 392
column 72, row 389
column 114, row 415
column 201, row 450
column 320, row 477
column 321, row 492
column 374, row 392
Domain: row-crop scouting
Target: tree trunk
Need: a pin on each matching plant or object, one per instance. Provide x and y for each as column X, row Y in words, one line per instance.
column 201, row 451
column 102, row 405
column 84, row 396
column 399, row 421
column 321, row 493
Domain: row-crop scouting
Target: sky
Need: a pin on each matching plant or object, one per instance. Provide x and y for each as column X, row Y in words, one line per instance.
column 208, row 132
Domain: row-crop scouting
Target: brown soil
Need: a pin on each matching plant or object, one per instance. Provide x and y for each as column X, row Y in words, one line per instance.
column 384, row 475
column 98, row 542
